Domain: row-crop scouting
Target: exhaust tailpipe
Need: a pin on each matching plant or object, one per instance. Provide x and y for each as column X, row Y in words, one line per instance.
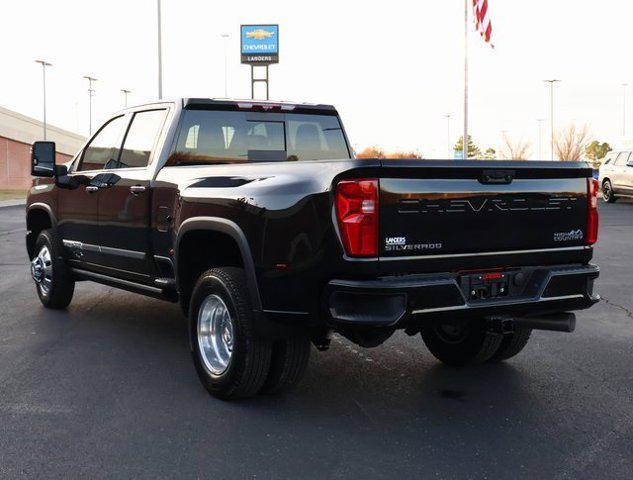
column 557, row 322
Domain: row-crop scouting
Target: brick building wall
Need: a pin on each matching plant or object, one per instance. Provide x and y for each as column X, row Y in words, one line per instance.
column 15, row 164
column 17, row 133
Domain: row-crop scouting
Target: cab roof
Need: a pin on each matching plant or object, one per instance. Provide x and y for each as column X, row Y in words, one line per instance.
column 247, row 104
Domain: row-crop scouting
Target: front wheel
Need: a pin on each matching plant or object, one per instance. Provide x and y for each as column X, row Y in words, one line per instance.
column 53, row 281
column 461, row 343
column 231, row 361
column 607, row 192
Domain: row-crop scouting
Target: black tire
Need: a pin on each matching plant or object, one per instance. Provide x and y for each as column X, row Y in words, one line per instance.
column 56, row 285
column 512, row 344
column 461, row 343
column 288, row 364
column 249, row 363
column 607, row 192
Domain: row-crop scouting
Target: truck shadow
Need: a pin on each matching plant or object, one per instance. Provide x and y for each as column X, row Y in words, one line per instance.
column 125, row 365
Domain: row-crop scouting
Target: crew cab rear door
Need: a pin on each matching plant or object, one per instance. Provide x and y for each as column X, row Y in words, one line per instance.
column 125, row 200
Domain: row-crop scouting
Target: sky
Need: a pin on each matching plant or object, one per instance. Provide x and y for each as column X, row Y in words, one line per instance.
column 393, row 69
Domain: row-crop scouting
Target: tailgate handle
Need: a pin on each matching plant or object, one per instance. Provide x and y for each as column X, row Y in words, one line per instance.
column 497, row 177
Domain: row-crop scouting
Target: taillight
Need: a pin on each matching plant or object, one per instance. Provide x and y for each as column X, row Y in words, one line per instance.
column 357, row 215
column 592, row 211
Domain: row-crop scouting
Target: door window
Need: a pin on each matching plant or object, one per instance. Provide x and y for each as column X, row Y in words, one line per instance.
column 103, row 150
column 140, row 138
column 623, row 158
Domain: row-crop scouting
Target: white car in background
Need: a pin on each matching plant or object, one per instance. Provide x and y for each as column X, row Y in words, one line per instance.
column 616, row 175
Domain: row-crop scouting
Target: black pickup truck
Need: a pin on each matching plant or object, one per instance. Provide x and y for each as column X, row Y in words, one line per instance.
column 259, row 220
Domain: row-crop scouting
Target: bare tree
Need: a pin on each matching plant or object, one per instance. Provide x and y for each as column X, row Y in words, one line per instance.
column 571, row 142
column 371, row 152
column 515, row 150
column 405, row 154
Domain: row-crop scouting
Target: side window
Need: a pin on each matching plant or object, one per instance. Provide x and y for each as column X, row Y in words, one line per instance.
column 104, row 148
column 623, row 157
column 140, row 138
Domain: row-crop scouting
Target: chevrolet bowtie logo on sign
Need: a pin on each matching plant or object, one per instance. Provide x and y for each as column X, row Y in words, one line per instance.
column 259, row 44
column 260, row 34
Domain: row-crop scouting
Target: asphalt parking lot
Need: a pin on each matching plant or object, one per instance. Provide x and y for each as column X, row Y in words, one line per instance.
column 107, row 389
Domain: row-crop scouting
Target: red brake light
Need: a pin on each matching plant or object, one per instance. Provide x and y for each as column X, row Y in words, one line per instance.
column 493, row 276
column 357, row 215
column 592, row 211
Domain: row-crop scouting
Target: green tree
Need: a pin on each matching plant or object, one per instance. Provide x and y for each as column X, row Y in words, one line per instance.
column 489, row 154
column 473, row 150
column 596, row 151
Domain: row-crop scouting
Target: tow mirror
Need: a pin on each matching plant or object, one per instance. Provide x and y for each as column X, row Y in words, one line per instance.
column 43, row 159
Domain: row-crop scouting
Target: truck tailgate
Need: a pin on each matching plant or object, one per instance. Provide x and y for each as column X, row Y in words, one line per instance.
column 451, row 208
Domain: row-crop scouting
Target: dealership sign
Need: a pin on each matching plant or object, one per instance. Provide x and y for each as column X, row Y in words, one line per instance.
column 259, row 44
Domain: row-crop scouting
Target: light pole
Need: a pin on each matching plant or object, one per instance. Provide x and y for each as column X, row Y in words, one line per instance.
column 44, row 64
column 125, row 93
column 448, row 136
column 624, row 87
column 540, row 137
column 466, row 26
column 225, row 36
column 90, row 94
column 551, row 97
column 160, row 53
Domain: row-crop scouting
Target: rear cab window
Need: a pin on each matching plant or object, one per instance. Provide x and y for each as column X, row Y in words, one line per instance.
column 227, row 136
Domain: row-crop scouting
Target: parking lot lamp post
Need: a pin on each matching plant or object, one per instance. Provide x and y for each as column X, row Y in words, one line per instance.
column 448, row 136
column 44, row 65
column 624, row 87
column 160, row 52
column 540, row 137
column 90, row 94
column 125, row 94
column 225, row 36
column 551, row 97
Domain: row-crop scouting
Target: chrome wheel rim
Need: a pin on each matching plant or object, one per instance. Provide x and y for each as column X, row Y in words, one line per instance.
column 42, row 270
column 215, row 334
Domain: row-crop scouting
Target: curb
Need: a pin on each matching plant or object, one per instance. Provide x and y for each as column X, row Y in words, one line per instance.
column 12, row 203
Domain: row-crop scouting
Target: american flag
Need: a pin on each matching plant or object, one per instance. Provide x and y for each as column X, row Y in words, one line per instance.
column 482, row 20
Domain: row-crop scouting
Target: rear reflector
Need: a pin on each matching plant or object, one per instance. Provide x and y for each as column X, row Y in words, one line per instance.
column 592, row 211
column 357, row 214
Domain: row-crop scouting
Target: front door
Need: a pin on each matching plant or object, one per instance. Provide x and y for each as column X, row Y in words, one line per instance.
column 125, row 203
column 628, row 176
column 78, row 201
column 618, row 173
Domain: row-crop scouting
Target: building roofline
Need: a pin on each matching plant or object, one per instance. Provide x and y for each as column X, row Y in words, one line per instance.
column 22, row 128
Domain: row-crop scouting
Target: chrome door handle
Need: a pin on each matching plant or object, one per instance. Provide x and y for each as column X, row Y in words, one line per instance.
column 136, row 189
column 91, row 189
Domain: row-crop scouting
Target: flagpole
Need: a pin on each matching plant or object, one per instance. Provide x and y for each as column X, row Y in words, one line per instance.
column 465, row 142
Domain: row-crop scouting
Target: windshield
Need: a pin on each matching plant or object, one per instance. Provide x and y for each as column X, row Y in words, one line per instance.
column 216, row 136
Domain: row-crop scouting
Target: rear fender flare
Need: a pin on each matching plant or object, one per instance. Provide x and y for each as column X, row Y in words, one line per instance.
column 228, row 227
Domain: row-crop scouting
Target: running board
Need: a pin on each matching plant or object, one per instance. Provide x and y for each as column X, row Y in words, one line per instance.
column 167, row 294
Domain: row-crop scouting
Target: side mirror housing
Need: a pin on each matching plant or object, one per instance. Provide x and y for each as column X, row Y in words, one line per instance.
column 61, row 170
column 630, row 164
column 43, row 159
